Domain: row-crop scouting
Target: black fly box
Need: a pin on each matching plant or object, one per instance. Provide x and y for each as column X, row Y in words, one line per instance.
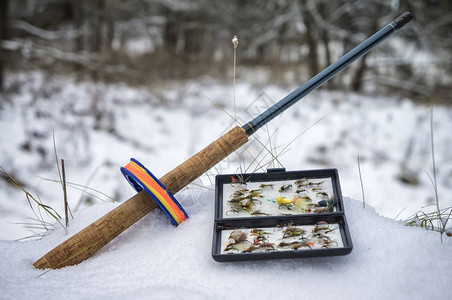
column 279, row 214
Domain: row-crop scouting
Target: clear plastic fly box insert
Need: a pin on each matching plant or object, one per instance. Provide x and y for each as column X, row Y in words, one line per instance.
column 279, row 214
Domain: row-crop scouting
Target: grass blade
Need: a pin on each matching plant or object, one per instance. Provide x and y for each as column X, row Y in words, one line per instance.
column 361, row 181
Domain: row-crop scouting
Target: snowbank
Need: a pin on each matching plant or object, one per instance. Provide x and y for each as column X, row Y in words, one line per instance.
column 154, row 260
column 98, row 127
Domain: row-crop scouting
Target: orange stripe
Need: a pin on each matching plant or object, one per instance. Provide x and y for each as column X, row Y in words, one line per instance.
column 172, row 208
column 177, row 211
column 156, row 188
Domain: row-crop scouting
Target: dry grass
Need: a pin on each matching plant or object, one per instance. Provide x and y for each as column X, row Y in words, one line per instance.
column 39, row 209
column 436, row 220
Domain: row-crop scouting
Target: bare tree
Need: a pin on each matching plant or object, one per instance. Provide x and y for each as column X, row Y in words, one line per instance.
column 187, row 35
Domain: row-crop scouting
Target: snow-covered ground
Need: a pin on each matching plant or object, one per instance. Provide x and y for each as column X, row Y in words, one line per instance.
column 155, row 260
column 98, row 127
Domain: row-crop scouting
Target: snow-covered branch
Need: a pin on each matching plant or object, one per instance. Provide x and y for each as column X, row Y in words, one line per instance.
column 45, row 34
column 90, row 61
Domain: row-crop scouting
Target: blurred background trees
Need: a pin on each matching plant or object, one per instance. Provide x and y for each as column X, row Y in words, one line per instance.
column 140, row 41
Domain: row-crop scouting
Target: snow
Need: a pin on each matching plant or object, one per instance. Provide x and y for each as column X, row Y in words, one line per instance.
column 99, row 126
column 154, row 259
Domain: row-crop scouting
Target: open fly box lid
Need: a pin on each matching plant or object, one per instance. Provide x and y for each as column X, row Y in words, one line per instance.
column 279, row 214
column 277, row 193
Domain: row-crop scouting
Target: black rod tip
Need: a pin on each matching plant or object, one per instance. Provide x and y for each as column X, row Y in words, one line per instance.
column 403, row 19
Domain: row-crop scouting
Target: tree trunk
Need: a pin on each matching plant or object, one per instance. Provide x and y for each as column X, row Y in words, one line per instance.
column 106, row 28
column 357, row 81
column 4, row 35
column 311, row 40
column 171, row 33
column 77, row 10
column 326, row 41
column 96, row 28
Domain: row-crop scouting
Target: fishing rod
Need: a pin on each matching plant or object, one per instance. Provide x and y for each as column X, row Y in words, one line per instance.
column 327, row 73
column 153, row 192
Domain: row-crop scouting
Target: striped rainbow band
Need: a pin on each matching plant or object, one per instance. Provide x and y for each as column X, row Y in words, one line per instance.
column 140, row 178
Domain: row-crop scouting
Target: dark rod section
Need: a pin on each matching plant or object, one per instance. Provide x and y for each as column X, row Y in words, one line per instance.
column 327, row 74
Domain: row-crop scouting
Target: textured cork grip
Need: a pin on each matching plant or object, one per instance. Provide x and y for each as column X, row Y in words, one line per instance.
column 93, row 237
column 204, row 160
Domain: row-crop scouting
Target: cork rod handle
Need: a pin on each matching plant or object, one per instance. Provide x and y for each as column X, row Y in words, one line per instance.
column 92, row 238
